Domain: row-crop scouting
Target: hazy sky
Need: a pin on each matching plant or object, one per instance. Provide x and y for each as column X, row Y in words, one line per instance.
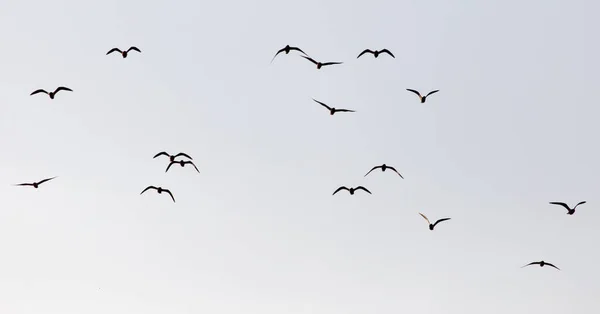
column 513, row 127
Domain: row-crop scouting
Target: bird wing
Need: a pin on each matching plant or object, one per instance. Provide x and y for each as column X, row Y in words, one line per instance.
column 432, row 92
column 62, row 88
column 362, row 188
column 24, row 184
column 552, row 265
column 173, row 198
column 580, row 203
column 532, row 263
column 340, row 188
column 162, row 153
column 372, row 169
column 45, row 180
column 113, row 50
column 38, row 91
column 440, row 220
column 396, row 171
column 278, row 52
column 414, row 91
column 322, row 104
column 388, row 52
column 184, row 155
column 148, row 188
column 330, row 63
column 344, row 110
column 133, row 48
column 365, row 51
column 425, row 218
column 191, row 163
column 298, row 49
column 561, row 204
column 310, row 59
column 170, row 164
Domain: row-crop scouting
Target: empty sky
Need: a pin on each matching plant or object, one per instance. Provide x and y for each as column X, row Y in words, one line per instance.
column 513, row 127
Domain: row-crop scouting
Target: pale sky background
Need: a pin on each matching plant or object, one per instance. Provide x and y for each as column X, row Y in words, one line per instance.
column 514, row 126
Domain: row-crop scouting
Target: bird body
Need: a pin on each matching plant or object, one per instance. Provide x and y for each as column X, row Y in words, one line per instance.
column 542, row 264
column 431, row 226
column 383, row 168
column 351, row 190
column 570, row 211
column 51, row 94
column 159, row 190
column 123, row 52
column 376, row 53
column 423, row 98
column 182, row 163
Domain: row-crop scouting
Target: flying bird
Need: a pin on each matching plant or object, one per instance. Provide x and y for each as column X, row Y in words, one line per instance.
column 570, row 211
column 182, row 163
column 419, row 94
column 541, row 263
column 333, row 110
column 376, row 53
column 383, row 168
column 123, row 52
column 351, row 190
column 172, row 157
column 431, row 226
column 159, row 190
column 320, row 64
column 51, row 94
column 35, row 184
column 287, row 50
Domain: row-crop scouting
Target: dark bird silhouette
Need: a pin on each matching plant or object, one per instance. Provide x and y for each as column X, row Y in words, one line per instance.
column 383, row 168
column 35, row 184
column 570, row 211
column 320, row 64
column 159, row 190
column 172, row 157
column 351, row 190
column 431, row 226
column 542, row 264
column 376, row 53
column 51, row 94
column 419, row 94
column 123, row 52
column 182, row 163
column 287, row 50
column 333, row 110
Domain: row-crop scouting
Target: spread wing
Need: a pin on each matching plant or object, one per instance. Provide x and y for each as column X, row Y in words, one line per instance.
column 425, row 218
column 396, row 171
column 322, row 104
column 162, row 153
column 113, row 50
column 148, row 188
column 552, row 265
column 414, row 91
column 532, row 263
column 372, row 169
column 365, row 51
column 58, row 89
column 170, row 164
column 309, row 59
column 191, row 163
column 432, row 92
column 440, row 220
column 298, row 49
column 133, row 48
column 330, row 63
column 344, row 110
column 45, row 180
column 388, row 52
column 561, row 204
column 24, row 184
column 173, row 198
column 580, row 203
column 362, row 188
column 184, row 155
column 38, row 91
column 278, row 52
column 340, row 188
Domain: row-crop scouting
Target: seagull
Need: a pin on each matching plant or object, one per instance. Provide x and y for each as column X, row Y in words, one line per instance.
column 419, row 94
column 383, row 168
column 123, row 52
column 570, row 211
column 376, row 53
column 431, row 226
column 182, row 163
column 172, row 157
column 319, row 64
column 51, row 94
column 287, row 50
column 351, row 190
column 541, row 263
column 35, row 184
column 159, row 190
column 333, row 110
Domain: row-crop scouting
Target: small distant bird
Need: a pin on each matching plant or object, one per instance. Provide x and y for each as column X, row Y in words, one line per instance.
column 376, row 53
column 383, row 168
column 123, row 52
column 431, row 226
column 287, row 50
column 182, row 163
column 35, row 184
column 51, row 94
column 541, row 263
column 320, row 64
column 419, row 94
column 351, row 190
column 172, row 157
column 159, row 190
column 570, row 211
column 333, row 110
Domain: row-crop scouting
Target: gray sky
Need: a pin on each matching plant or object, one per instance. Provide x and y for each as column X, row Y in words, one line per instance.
column 513, row 127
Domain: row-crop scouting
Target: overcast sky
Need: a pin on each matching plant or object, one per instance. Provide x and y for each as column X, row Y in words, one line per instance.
column 513, row 127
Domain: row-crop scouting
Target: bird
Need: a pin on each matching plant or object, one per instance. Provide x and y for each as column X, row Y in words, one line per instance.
column 35, row 184
column 333, row 110
column 352, row 190
column 570, row 211
column 431, row 226
column 541, row 263
column 320, row 64
column 123, row 52
column 51, row 94
column 172, row 157
column 383, row 168
column 376, row 53
column 287, row 50
column 419, row 94
column 182, row 163
column 159, row 190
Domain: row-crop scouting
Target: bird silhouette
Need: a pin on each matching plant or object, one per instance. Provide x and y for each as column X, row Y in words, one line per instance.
column 570, row 211
column 419, row 94
column 35, row 184
column 331, row 109
column 431, row 226
column 351, row 190
column 320, row 64
column 541, row 263
column 383, row 168
column 172, row 157
column 376, row 53
column 51, row 94
column 123, row 52
column 182, row 163
column 287, row 50
column 159, row 190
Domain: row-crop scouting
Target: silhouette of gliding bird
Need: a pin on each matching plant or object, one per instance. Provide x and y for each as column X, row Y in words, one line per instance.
column 320, row 64
column 51, row 94
column 123, row 52
column 570, row 211
column 431, row 226
column 182, row 163
column 287, row 50
column 172, row 157
column 159, row 190
column 383, row 168
column 35, row 184
column 541, row 263
column 331, row 109
column 423, row 98
column 351, row 190
column 376, row 53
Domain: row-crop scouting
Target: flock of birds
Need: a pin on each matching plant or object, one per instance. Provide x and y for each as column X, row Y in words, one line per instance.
column 351, row 190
